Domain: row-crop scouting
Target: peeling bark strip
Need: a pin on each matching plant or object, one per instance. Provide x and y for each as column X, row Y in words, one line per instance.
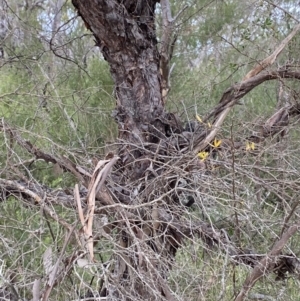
column 125, row 33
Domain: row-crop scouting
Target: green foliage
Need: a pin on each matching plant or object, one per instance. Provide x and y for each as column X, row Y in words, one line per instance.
column 60, row 99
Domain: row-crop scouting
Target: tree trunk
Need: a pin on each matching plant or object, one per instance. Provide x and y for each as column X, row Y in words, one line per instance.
column 125, row 33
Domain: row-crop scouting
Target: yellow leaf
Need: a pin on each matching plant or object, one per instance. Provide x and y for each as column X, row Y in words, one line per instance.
column 250, row 146
column 217, row 143
column 203, row 155
column 199, row 118
column 209, row 125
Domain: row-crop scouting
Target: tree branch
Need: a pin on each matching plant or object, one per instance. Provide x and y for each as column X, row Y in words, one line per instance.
column 237, row 91
column 53, row 275
column 267, row 264
column 271, row 59
column 231, row 97
column 64, row 162
column 168, row 41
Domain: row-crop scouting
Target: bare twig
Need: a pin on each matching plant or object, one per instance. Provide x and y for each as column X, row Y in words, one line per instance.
column 168, row 41
column 97, row 181
column 231, row 96
column 79, row 207
column 271, row 59
column 282, row 9
column 64, row 162
column 52, row 276
column 36, row 290
column 267, row 263
column 18, row 187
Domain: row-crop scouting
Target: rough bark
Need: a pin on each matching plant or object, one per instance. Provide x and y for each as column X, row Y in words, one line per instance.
column 125, row 33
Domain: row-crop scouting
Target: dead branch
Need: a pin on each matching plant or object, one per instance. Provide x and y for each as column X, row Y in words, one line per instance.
column 231, row 97
column 97, row 181
column 219, row 238
column 267, row 264
column 211, row 235
column 283, row 10
column 236, row 92
column 36, row 290
column 39, row 195
column 53, row 275
column 168, row 41
column 271, row 59
column 64, row 162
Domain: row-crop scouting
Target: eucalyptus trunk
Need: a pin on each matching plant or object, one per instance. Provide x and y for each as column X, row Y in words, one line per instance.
column 125, row 33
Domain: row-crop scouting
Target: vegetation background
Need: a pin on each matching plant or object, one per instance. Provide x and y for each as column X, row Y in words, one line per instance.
column 57, row 94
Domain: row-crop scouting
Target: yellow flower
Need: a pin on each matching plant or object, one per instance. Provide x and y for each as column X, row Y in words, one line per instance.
column 217, row 143
column 250, row 146
column 199, row 118
column 203, row 155
column 209, row 125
